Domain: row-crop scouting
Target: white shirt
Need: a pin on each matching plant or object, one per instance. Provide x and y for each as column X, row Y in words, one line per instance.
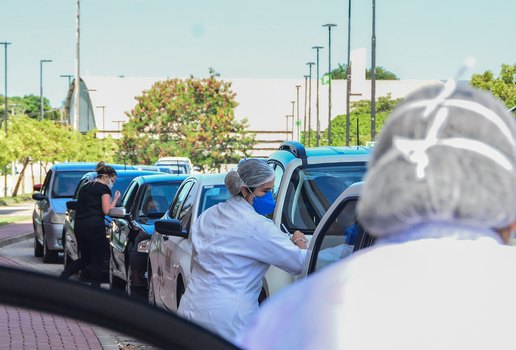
column 233, row 246
column 442, row 287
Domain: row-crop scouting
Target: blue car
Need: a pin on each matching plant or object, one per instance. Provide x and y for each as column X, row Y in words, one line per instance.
column 49, row 210
column 71, row 250
column 145, row 201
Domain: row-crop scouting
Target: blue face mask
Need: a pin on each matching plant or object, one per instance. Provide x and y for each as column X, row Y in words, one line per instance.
column 265, row 204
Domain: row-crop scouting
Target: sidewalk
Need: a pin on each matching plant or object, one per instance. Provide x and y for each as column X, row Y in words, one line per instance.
column 16, row 232
column 28, row 329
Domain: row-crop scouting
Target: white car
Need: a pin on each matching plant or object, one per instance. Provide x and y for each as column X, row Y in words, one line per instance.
column 170, row 250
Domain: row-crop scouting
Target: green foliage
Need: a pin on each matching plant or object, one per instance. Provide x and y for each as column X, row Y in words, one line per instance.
column 503, row 86
column 361, row 111
column 28, row 105
column 192, row 118
column 381, row 73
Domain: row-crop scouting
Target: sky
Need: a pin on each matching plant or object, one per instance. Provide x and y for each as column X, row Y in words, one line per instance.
column 415, row 39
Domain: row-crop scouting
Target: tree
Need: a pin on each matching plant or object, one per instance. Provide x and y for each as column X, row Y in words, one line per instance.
column 381, row 73
column 361, row 111
column 503, row 86
column 192, row 118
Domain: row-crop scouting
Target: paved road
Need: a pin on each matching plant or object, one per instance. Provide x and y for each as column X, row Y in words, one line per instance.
column 35, row 325
column 21, row 209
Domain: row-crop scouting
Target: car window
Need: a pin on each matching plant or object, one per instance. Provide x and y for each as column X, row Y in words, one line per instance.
column 337, row 238
column 65, row 183
column 128, row 198
column 313, row 189
column 180, row 198
column 156, row 199
column 278, row 175
column 46, row 183
column 212, row 195
column 185, row 213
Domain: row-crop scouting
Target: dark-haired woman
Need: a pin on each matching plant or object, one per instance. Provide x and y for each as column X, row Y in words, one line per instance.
column 93, row 203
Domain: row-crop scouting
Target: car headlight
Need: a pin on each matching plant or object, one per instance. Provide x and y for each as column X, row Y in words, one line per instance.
column 143, row 246
column 56, row 218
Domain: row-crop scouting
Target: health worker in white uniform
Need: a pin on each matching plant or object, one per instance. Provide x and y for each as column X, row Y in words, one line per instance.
column 233, row 246
column 440, row 198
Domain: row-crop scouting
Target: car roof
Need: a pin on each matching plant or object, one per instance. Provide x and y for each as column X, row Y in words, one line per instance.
column 209, row 179
column 161, row 177
column 85, row 166
column 124, row 173
column 293, row 150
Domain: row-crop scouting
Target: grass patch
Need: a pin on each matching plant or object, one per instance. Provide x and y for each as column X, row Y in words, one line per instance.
column 13, row 219
column 15, row 200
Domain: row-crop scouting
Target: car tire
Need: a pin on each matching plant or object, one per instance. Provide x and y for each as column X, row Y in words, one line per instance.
column 180, row 290
column 134, row 291
column 115, row 283
column 49, row 256
column 38, row 248
column 152, row 293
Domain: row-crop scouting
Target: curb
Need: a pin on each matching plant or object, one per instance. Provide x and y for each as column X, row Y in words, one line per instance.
column 16, row 239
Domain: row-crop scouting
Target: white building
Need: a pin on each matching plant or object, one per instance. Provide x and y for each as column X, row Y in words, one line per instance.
column 266, row 103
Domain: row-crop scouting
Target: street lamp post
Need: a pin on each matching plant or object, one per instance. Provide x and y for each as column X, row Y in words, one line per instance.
column 318, row 126
column 348, row 74
column 293, row 105
column 298, row 122
column 373, row 76
column 69, row 76
column 286, row 125
column 103, row 119
column 41, row 87
column 304, row 122
column 5, row 43
column 310, row 64
column 329, row 25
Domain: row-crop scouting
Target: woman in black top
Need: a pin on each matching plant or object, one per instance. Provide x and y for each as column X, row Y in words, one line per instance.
column 93, row 203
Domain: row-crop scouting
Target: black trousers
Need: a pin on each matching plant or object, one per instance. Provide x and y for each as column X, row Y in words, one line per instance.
column 92, row 246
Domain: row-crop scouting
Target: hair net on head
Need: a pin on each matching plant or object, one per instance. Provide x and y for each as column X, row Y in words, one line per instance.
column 447, row 153
column 251, row 173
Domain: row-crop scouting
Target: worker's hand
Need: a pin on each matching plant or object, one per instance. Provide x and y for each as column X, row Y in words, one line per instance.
column 299, row 239
column 117, row 195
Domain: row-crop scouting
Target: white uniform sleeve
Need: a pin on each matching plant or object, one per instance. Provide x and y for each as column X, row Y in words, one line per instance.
column 274, row 247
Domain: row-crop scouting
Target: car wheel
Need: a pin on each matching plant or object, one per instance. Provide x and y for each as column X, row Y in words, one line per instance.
column 152, row 293
column 133, row 291
column 38, row 248
column 115, row 283
column 180, row 290
column 49, row 256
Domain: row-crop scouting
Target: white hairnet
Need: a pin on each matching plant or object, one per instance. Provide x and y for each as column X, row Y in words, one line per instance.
column 251, row 173
column 447, row 153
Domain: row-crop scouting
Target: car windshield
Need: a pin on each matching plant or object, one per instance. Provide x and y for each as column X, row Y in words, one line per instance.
column 157, row 199
column 313, row 189
column 174, row 168
column 65, row 183
column 212, row 195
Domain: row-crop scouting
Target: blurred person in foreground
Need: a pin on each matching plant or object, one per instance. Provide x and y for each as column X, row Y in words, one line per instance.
column 93, row 203
column 233, row 246
column 439, row 196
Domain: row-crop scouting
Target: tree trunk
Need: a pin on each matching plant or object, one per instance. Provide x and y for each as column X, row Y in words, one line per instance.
column 20, row 178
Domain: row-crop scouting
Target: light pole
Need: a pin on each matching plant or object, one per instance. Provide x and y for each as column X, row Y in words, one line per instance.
column 293, row 105
column 329, row 25
column 5, row 43
column 348, row 74
column 310, row 64
column 69, row 76
column 318, row 126
column 304, row 123
column 373, row 76
column 298, row 122
column 103, row 119
column 286, row 125
column 41, row 87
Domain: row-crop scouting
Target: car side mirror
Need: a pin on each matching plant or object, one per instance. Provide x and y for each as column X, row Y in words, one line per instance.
column 37, row 187
column 170, row 227
column 118, row 212
column 71, row 205
column 38, row 196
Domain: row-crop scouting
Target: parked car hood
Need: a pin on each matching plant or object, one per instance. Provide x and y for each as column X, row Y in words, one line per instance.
column 59, row 204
